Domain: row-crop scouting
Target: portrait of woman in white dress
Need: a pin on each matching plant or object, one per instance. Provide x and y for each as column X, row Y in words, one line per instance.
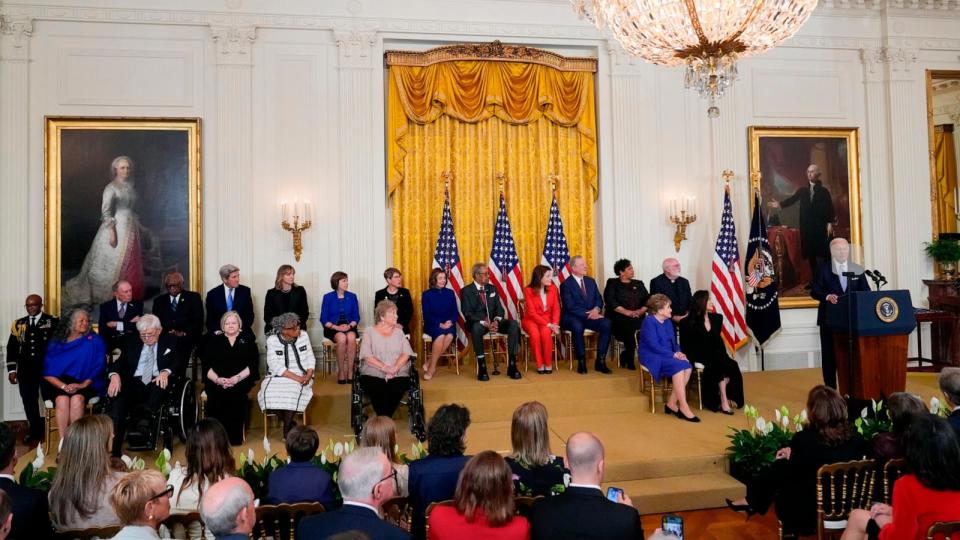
column 115, row 252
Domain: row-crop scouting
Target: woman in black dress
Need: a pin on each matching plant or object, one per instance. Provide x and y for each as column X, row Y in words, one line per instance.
column 625, row 299
column 232, row 364
column 285, row 297
column 398, row 295
column 701, row 341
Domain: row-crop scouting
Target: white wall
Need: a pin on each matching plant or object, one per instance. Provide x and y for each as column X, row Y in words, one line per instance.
column 292, row 104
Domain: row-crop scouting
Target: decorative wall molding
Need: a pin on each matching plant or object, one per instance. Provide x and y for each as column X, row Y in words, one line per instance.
column 355, row 49
column 895, row 63
column 234, row 44
column 495, row 50
column 16, row 33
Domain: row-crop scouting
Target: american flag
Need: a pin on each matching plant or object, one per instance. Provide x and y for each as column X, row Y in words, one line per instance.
column 447, row 256
column 556, row 254
column 726, row 286
column 504, row 265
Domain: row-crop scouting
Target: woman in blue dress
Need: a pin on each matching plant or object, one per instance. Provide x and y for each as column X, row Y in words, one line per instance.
column 340, row 315
column 439, row 306
column 660, row 353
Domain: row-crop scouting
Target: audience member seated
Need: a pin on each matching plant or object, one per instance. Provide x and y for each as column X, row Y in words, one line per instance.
column 231, row 296
column 902, row 408
column 181, row 314
column 702, row 342
column 675, row 286
column 80, row 494
column 482, row 506
column 541, row 318
column 398, row 295
column 287, row 387
column 31, row 518
column 300, row 480
column 434, row 477
column 141, row 500
column 228, row 510
column 661, row 355
column 6, row 515
column 581, row 306
column 366, row 480
column 626, row 304
column 440, row 315
column 139, row 380
column 582, row 510
column 535, row 470
column 482, row 308
column 232, row 361
column 118, row 317
column 949, row 381
column 829, row 437
column 340, row 317
column 931, row 493
column 208, row 461
column 381, row 432
column 73, row 368
column 385, row 360
column 285, row 297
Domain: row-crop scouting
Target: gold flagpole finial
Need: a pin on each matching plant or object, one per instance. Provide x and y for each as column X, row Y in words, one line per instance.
column 447, row 178
column 501, row 179
column 554, row 180
column 755, row 180
column 727, row 175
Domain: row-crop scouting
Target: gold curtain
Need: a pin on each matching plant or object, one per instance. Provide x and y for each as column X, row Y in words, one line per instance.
column 945, row 158
column 477, row 118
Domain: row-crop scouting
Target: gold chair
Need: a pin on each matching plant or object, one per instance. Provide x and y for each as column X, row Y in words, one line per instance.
column 179, row 524
column 892, row 470
column 589, row 344
column 665, row 386
column 525, row 341
column 430, row 510
column 327, row 362
column 494, row 348
column 84, row 534
column 842, row 487
column 268, row 415
column 450, row 354
column 281, row 520
column 944, row 530
column 398, row 511
column 50, row 419
column 522, row 505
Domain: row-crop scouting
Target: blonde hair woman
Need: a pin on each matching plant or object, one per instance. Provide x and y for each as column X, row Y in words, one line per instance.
column 381, row 432
column 142, row 502
column 536, row 471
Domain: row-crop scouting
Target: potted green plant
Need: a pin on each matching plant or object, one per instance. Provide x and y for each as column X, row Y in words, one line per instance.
column 946, row 253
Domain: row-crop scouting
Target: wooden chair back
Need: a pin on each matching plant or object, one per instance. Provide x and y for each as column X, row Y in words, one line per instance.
column 944, row 530
column 279, row 521
column 842, row 487
column 430, row 510
column 399, row 512
column 179, row 524
column 892, row 470
column 85, row 534
column 522, row 505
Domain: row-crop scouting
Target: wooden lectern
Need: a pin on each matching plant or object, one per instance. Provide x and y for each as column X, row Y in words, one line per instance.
column 874, row 363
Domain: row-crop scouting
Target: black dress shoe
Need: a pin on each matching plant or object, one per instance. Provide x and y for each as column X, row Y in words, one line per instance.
column 601, row 367
column 693, row 419
column 728, row 413
column 341, row 381
column 745, row 508
column 582, row 367
column 668, row 410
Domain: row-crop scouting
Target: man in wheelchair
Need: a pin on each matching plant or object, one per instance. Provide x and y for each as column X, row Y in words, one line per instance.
column 140, row 381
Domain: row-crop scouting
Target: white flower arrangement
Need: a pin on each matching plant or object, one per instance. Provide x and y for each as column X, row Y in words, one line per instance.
column 38, row 461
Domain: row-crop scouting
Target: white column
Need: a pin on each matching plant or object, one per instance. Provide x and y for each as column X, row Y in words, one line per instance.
column 362, row 204
column 15, row 234
column 876, row 189
column 228, row 198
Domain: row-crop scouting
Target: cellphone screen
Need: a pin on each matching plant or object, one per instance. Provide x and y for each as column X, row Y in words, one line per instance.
column 673, row 525
column 614, row 494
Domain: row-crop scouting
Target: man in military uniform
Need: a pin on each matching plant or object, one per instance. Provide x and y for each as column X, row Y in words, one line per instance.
column 25, row 352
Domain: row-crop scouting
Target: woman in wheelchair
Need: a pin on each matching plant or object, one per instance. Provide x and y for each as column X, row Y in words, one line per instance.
column 385, row 360
column 288, row 386
column 233, row 367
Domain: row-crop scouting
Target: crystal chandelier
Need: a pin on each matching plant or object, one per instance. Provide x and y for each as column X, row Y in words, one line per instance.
column 707, row 36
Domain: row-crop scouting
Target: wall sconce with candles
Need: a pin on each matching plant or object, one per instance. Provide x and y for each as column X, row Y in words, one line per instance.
column 683, row 212
column 296, row 227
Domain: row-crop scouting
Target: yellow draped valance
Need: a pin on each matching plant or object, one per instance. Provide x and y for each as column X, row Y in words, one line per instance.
column 422, row 87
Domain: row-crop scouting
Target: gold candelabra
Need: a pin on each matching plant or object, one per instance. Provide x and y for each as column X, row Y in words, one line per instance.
column 683, row 212
column 294, row 225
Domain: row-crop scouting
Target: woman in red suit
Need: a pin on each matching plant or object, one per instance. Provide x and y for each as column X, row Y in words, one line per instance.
column 541, row 319
column 482, row 506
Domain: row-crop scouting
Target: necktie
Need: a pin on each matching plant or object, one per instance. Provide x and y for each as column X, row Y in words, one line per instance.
column 583, row 287
column 173, row 303
column 843, row 278
column 33, row 322
column 151, row 361
column 123, row 310
column 483, row 297
column 230, row 300
column 811, row 193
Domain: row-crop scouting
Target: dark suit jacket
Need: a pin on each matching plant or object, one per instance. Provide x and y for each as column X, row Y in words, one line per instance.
column 108, row 313
column 25, row 352
column 167, row 357
column 572, row 300
column 31, row 519
column 472, row 306
column 825, row 282
column 954, row 420
column 814, row 216
column 216, row 303
column 277, row 302
column 188, row 318
column 678, row 292
column 583, row 513
column 301, row 482
column 432, row 479
column 348, row 518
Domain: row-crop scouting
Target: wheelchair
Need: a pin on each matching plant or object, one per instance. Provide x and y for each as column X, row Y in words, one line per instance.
column 177, row 416
column 360, row 405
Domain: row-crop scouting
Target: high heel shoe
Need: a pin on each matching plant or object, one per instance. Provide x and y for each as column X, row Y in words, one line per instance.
column 668, row 410
column 745, row 508
column 728, row 413
column 693, row 419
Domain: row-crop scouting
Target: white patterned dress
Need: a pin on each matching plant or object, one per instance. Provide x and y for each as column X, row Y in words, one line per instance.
column 278, row 392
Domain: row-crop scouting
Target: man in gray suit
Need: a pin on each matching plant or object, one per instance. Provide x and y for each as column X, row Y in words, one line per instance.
column 483, row 310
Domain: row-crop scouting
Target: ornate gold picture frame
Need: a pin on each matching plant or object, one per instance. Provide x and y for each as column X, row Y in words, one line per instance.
column 123, row 201
column 800, row 225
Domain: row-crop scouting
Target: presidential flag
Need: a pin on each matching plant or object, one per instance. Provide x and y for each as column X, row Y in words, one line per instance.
column 763, row 300
column 556, row 254
column 504, row 265
column 447, row 256
column 726, row 286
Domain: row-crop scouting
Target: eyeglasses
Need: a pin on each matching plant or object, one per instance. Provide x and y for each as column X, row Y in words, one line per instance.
column 165, row 493
column 393, row 474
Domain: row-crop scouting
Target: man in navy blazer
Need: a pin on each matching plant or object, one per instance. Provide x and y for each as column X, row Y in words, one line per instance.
column 31, row 518
column 582, row 308
column 180, row 312
column 301, row 480
column 366, row 480
column 231, row 296
column 829, row 284
column 118, row 317
column 139, row 379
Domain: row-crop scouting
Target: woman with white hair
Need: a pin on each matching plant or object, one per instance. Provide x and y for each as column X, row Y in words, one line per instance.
column 288, row 386
column 232, row 364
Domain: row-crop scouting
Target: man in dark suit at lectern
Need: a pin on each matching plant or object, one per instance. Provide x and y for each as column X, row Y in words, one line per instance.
column 833, row 280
